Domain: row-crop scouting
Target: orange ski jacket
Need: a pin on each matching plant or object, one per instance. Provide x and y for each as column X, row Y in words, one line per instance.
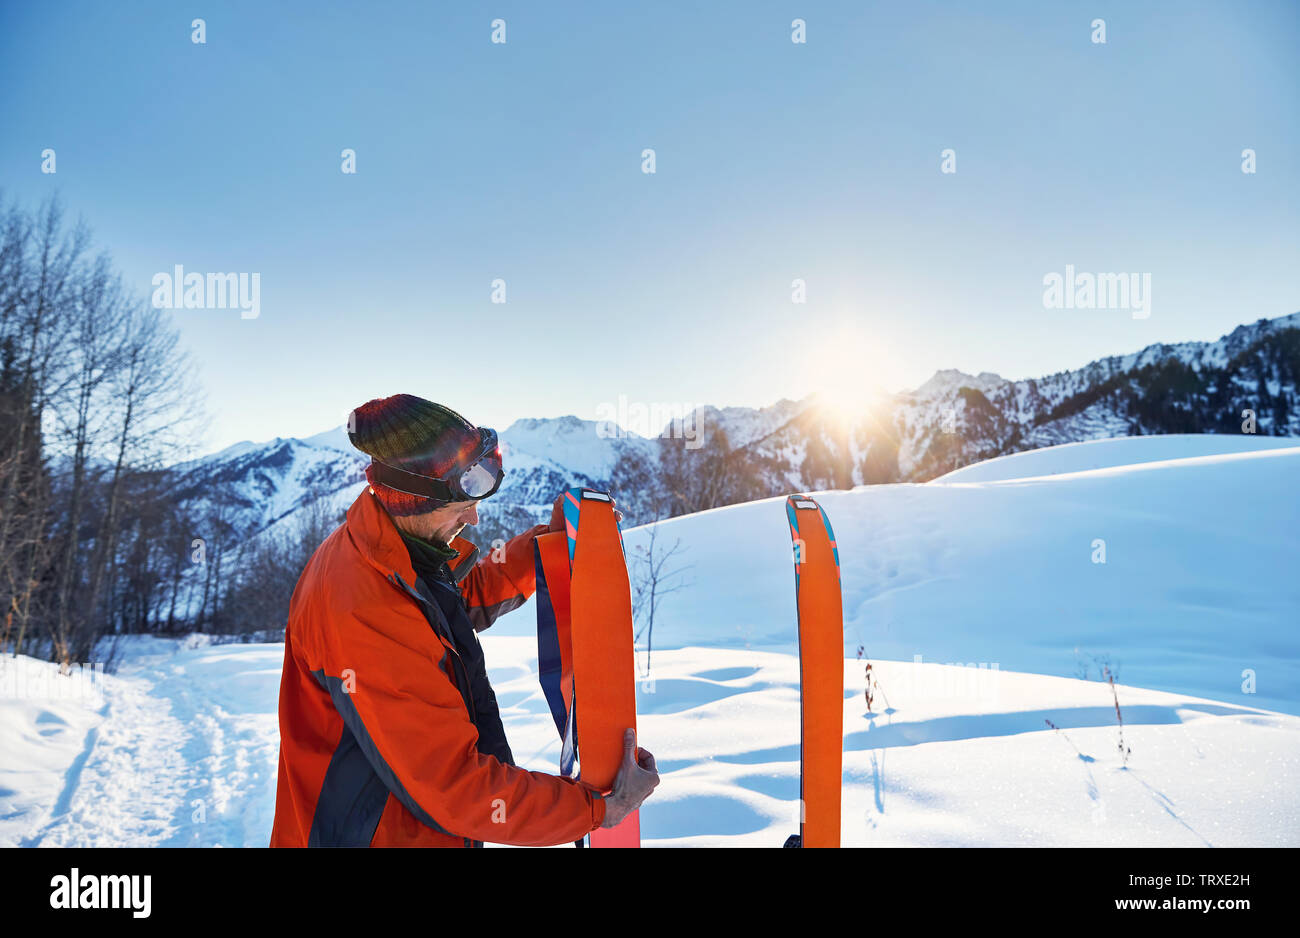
column 377, row 743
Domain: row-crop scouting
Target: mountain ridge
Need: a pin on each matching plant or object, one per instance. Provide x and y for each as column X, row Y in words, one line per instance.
column 952, row 420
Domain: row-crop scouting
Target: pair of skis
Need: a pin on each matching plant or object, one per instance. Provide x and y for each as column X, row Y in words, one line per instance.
column 585, row 652
column 584, row 645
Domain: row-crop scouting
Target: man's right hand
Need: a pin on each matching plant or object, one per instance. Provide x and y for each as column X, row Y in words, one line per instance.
column 636, row 779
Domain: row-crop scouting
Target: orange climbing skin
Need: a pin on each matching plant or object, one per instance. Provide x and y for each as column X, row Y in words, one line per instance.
column 821, row 681
column 601, row 635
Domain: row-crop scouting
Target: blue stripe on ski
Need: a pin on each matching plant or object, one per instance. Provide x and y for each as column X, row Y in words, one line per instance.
column 830, row 534
column 572, row 502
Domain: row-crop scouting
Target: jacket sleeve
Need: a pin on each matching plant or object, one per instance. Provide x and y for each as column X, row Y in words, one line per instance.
column 503, row 579
column 408, row 717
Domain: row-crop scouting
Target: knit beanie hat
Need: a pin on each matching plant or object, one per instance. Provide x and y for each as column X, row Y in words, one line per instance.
column 413, row 434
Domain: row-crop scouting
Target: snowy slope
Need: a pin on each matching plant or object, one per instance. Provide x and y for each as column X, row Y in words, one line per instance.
column 1198, row 583
column 179, row 750
column 184, row 754
column 1104, row 454
column 48, row 721
column 992, row 585
column 955, row 757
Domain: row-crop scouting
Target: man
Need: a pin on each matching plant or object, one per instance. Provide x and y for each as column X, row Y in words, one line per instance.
column 390, row 733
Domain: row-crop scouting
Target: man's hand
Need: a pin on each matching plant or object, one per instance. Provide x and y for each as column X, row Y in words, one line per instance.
column 637, row 778
column 557, row 512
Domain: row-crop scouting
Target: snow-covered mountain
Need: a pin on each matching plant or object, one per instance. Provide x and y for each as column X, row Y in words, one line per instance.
column 259, row 487
column 955, row 419
column 952, row 420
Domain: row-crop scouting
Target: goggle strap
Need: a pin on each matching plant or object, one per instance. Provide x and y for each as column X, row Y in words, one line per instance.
column 409, row 482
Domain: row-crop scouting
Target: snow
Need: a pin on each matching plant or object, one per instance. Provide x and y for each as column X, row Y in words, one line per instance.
column 231, row 452
column 1200, row 355
column 1198, row 584
column 1106, row 453
column 743, row 426
column 945, row 382
column 47, row 722
column 180, row 751
column 980, row 607
column 310, row 469
column 336, row 438
column 1025, row 406
column 584, row 446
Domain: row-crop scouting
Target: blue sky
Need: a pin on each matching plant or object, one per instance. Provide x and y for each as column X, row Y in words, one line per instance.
column 774, row 161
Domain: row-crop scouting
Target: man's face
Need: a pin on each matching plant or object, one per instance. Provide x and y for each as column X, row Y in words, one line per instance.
column 450, row 520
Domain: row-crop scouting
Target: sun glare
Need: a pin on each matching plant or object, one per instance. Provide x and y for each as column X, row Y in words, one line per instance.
column 847, row 375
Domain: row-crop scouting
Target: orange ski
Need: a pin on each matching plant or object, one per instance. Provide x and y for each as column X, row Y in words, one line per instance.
column 821, row 672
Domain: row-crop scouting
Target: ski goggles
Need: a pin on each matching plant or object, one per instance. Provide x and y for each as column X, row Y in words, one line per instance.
column 480, row 476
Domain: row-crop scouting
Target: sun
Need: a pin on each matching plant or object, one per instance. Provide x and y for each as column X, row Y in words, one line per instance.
column 846, row 374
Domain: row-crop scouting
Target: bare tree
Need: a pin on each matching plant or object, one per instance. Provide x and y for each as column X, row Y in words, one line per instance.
column 152, row 392
column 216, row 537
column 652, row 579
column 636, row 476
column 176, row 558
column 699, row 477
column 95, row 355
column 268, row 568
column 93, row 393
column 39, row 270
